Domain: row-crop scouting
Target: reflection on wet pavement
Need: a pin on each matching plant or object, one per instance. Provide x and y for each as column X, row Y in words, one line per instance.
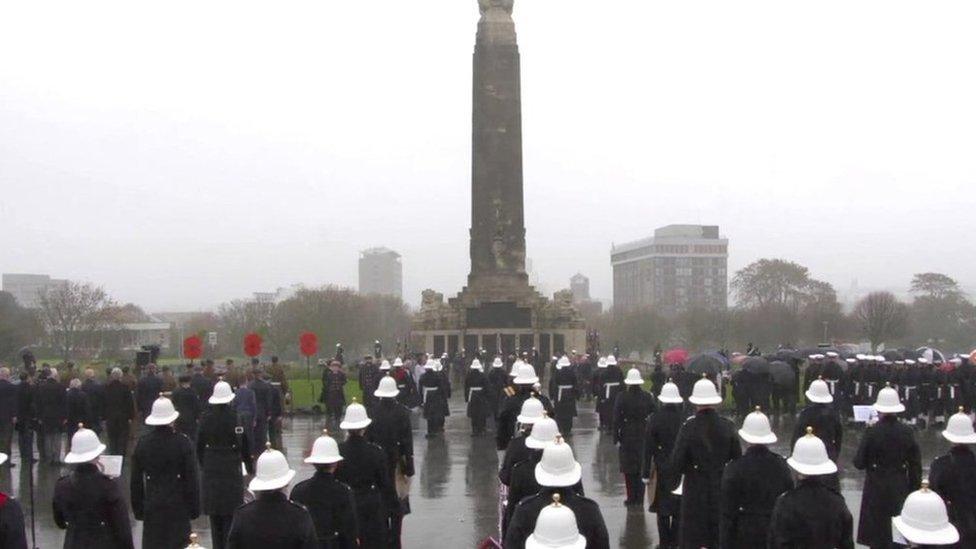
column 454, row 496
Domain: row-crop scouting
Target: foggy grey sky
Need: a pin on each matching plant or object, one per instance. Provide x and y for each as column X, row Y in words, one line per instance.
column 184, row 154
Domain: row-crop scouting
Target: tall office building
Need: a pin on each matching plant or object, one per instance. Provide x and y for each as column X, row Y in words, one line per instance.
column 681, row 267
column 380, row 272
column 27, row 288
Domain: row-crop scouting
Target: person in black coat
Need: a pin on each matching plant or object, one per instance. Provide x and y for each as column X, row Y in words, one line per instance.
column 119, row 412
column 78, row 407
column 953, row 477
column 608, row 386
column 589, row 519
column 147, row 391
column 522, row 482
column 365, row 470
column 330, row 502
column 750, row 487
column 476, row 395
column 201, row 384
column 221, row 448
column 662, row 431
column 812, row 515
column 564, row 386
column 96, row 400
column 890, row 456
column 497, row 381
column 188, row 405
column 434, row 395
column 823, row 417
column 88, row 504
column 511, row 405
column 263, row 397
column 333, row 391
column 391, row 430
column 8, row 410
column 272, row 520
column 51, row 415
column 531, row 412
column 13, row 535
column 705, row 444
column 165, row 489
column 630, row 413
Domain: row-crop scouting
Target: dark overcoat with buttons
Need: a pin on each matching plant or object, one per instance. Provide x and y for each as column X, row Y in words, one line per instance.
column 165, row 490
column 890, row 456
column 221, row 448
column 631, row 410
column 705, row 444
column 272, row 520
column 662, row 430
column 91, row 507
column 333, row 509
column 750, row 487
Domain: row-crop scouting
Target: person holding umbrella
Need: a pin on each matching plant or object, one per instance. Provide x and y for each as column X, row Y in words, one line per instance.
column 705, row 444
column 890, row 456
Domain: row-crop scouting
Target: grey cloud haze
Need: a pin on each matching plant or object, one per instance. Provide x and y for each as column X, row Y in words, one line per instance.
column 184, row 154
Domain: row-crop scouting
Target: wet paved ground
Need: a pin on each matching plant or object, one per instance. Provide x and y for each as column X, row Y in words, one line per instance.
column 454, row 494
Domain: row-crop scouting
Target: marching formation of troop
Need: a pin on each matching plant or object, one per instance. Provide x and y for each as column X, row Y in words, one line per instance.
column 710, row 483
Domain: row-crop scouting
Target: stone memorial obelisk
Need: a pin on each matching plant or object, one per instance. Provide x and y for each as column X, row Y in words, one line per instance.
column 498, row 310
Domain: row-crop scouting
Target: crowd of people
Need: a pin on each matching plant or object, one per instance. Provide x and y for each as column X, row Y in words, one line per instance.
column 201, row 433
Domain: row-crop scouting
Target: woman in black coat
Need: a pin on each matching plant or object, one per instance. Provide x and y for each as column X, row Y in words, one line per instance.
column 221, row 448
column 630, row 413
column 662, row 430
column 476, row 395
column 890, row 456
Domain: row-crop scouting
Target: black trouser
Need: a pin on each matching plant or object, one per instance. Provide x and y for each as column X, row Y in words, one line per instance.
column 25, row 441
column 260, row 434
column 565, row 425
column 478, row 424
column 374, row 531
column 396, row 527
column 118, row 437
column 667, row 529
column 219, row 528
column 435, row 424
column 635, row 488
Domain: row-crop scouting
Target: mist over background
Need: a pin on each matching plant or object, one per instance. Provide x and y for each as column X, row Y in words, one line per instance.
column 183, row 155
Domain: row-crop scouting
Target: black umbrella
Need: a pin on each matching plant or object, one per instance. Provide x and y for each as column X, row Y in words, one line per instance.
column 756, row 365
column 786, row 355
column 705, row 364
column 892, row 356
column 782, row 373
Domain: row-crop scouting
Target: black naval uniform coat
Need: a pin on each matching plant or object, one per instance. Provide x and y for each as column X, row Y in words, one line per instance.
column 589, row 519
column 610, row 384
column 811, row 516
column 515, row 452
column 890, row 456
column 953, row 477
column 662, row 431
column 272, row 521
column 333, row 509
column 364, row 469
column 12, row 532
column 476, row 391
column 564, row 388
column 188, row 405
column 497, row 380
column 509, row 409
column 523, row 484
column 434, row 393
column 705, row 444
column 391, row 431
column 165, row 489
column 91, row 507
column 631, row 410
column 750, row 487
column 826, row 425
column 221, row 448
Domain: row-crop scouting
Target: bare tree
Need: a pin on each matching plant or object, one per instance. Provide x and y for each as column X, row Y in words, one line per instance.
column 72, row 310
column 881, row 317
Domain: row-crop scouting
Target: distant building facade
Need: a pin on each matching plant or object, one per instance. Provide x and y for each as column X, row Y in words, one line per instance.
column 681, row 267
column 380, row 272
column 28, row 288
column 579, row 285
